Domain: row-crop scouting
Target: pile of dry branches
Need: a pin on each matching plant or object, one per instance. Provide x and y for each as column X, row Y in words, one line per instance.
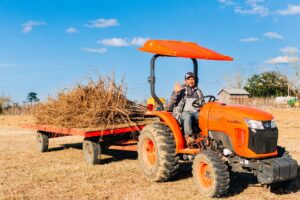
column 99, row 103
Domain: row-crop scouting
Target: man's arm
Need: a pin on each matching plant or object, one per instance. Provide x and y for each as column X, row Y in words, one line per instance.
column 175, row 96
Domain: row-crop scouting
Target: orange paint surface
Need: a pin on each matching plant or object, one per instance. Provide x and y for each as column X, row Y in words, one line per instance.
column 172, row 123
column 182, row 49
column 230, row 120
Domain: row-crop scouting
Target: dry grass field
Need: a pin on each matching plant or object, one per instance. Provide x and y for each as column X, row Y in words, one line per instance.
column 62, row 172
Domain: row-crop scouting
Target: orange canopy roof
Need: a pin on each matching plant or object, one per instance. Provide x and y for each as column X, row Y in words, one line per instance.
column 182, row 49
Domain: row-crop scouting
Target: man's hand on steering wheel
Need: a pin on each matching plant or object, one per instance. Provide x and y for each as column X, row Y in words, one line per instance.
column 198, row 103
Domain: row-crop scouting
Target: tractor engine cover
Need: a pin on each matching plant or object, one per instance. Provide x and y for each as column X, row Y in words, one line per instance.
column 227, row 123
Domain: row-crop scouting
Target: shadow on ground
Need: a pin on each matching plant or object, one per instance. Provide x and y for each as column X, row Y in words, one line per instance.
column 238, row 183
column 241, row 181
column 66, row 146
column 287, row 187
column 118, row 155
column 184, row 171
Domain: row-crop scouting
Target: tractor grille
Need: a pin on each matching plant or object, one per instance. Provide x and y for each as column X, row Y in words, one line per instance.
column 263, row 141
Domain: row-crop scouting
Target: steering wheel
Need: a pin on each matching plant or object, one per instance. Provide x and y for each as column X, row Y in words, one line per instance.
column 201, row 101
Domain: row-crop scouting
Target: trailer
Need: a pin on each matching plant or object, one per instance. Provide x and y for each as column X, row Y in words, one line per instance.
column 118, row 137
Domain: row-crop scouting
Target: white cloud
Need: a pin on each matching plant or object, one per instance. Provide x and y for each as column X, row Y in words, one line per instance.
column 123, row 42
column 283, row 60
column 289, row 57
column 255, row 10
column 116, row 42
column 292, row 10
column 102, row 23
column 138, row 41
column 28, row 26
column 251, row 39
column 290, row 50
column 227, row 2
column 254, row 2
column 273, row 35
column 248, row 7
column 93, row 50
column 255, row 7
column 71, row 30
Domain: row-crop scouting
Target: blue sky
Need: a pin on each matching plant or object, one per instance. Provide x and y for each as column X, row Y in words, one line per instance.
column 46, row 46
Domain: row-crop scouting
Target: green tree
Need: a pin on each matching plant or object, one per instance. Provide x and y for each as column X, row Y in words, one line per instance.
column 267, row 84
column 32, row 97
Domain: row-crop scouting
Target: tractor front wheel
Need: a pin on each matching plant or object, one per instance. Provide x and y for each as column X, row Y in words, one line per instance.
column 210, row 174
column 157, row 152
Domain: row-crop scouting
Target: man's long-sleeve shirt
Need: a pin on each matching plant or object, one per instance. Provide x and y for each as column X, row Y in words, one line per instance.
column 187, row 92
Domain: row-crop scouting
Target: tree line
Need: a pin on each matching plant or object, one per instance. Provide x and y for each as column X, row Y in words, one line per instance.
column 266, row 84
column 8, row 106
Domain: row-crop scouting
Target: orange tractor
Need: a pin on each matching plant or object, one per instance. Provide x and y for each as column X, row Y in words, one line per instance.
column 231, row 137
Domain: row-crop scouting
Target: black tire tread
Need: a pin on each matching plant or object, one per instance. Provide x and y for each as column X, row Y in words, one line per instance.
column 167, row 164
column 222, row 178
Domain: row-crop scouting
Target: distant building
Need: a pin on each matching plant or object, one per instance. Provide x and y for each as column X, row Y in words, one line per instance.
column 233, row 95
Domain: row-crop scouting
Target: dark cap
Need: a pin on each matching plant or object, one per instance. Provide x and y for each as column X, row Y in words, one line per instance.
column 189, row 75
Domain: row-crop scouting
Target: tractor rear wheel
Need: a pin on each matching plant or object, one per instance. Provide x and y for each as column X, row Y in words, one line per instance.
column 42, row 141
column 157, row 152
column 91, row 150
column 210, row 174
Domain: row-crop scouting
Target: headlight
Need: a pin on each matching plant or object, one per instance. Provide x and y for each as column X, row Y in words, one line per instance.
column 254, row 124
column 273, row 124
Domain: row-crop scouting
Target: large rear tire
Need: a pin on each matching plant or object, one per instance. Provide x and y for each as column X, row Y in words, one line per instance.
column 157, row 152
column 210, row 174
column 91, row 150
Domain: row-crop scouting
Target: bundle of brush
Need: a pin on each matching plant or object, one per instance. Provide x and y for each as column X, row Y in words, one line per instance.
column 99, row 103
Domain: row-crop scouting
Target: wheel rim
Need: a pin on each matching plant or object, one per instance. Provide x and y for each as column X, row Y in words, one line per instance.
column 149, row 152
column 205, row 175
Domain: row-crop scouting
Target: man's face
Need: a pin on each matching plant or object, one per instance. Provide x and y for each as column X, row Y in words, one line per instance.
column 190, row 82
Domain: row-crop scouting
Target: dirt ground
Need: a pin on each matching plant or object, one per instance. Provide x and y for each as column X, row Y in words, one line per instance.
column 62, row 172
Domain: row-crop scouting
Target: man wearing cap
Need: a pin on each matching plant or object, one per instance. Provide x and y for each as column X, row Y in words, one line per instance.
column 181, row 103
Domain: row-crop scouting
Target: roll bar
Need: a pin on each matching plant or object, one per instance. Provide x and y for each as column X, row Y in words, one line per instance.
column 151, row 78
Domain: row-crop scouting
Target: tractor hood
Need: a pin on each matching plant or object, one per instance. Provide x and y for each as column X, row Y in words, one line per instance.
column 230, row 124
column 238, row 112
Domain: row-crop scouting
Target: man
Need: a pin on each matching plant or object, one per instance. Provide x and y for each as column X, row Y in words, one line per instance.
column 181, row 104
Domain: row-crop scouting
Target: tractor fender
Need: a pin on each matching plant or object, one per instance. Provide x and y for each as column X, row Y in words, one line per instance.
column 168, row 119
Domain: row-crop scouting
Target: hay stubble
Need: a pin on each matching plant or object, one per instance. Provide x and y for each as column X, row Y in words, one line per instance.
column 99, row 103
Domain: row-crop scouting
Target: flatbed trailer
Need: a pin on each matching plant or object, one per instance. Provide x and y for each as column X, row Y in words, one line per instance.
column 119, row 137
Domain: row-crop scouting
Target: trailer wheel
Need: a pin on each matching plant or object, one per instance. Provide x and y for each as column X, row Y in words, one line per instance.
column 91, row 151
column 210, row 174
column 157, row 152
column 42, row 142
